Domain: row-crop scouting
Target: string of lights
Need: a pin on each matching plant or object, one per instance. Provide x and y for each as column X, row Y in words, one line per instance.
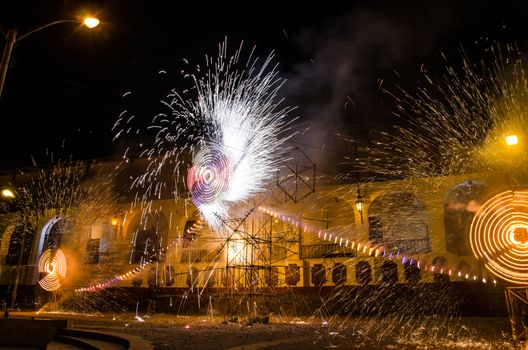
column 367, row 248
column 373, row 250
column 131, row 273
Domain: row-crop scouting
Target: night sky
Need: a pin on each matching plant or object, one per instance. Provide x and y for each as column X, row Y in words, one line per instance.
column 64, row 87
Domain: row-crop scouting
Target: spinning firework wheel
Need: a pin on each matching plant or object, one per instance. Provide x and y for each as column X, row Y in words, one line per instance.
column 53, row 265
column 208, row 179
column 499, row 235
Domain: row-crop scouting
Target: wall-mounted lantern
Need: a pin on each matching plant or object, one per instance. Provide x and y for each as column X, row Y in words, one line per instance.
column 359, row 204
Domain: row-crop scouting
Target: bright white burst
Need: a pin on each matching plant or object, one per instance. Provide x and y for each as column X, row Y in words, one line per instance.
column 240, row 155
column 232, row 131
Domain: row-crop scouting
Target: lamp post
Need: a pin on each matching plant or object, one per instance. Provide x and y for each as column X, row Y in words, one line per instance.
column 12, row 39
column 359, row 200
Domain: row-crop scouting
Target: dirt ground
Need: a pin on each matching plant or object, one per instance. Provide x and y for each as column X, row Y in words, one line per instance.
column 318, row 332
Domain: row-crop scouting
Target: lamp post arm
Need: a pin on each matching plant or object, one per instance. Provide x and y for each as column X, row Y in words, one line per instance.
column 11, row 39
column 46, row 26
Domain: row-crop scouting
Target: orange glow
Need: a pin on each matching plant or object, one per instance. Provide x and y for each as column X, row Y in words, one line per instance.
column 114, row 221
column 499, row 235
column 380, row 250
column 55, row 269
column 237, row 250
column 7, row 193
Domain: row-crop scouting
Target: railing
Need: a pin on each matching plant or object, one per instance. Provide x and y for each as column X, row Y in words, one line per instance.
column 317, row 251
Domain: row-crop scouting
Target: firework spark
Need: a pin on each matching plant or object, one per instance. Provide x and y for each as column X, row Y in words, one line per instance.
column 233, row 130
column 453, row 125
column 456, row 124
column 470, row 121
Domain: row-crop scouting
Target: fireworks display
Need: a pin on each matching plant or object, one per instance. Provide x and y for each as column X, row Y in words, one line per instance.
column 210, row 176
column 209, row 217
column 499, row 235
column 456, row 124
column 465, row 127
column 53, row 265
column 469, row 121
column 209, row 180
column 224, row 143
column 242, row 153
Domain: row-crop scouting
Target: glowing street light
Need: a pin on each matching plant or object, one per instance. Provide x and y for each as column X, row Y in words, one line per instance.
column 512, row 140
column 11, row 39
column 91, row 22
column 7, row 193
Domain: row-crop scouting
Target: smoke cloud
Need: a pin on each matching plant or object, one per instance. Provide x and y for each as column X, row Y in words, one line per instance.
column 337, row 86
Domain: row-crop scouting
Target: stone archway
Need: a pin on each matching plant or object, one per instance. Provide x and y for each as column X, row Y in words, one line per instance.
column 148, row 236
column 400, row 222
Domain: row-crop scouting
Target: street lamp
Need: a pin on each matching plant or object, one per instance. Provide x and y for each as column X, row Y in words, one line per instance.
column 11, row 39
column 512, row 140
column 91, row 22
column 7, row 193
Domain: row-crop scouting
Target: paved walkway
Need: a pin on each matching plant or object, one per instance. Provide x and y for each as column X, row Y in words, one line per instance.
column 166, row 332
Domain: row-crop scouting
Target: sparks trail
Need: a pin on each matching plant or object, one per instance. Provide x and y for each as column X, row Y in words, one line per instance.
column 454, row 124
column 54, row 207
column 467, row 122
column 224, row 143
